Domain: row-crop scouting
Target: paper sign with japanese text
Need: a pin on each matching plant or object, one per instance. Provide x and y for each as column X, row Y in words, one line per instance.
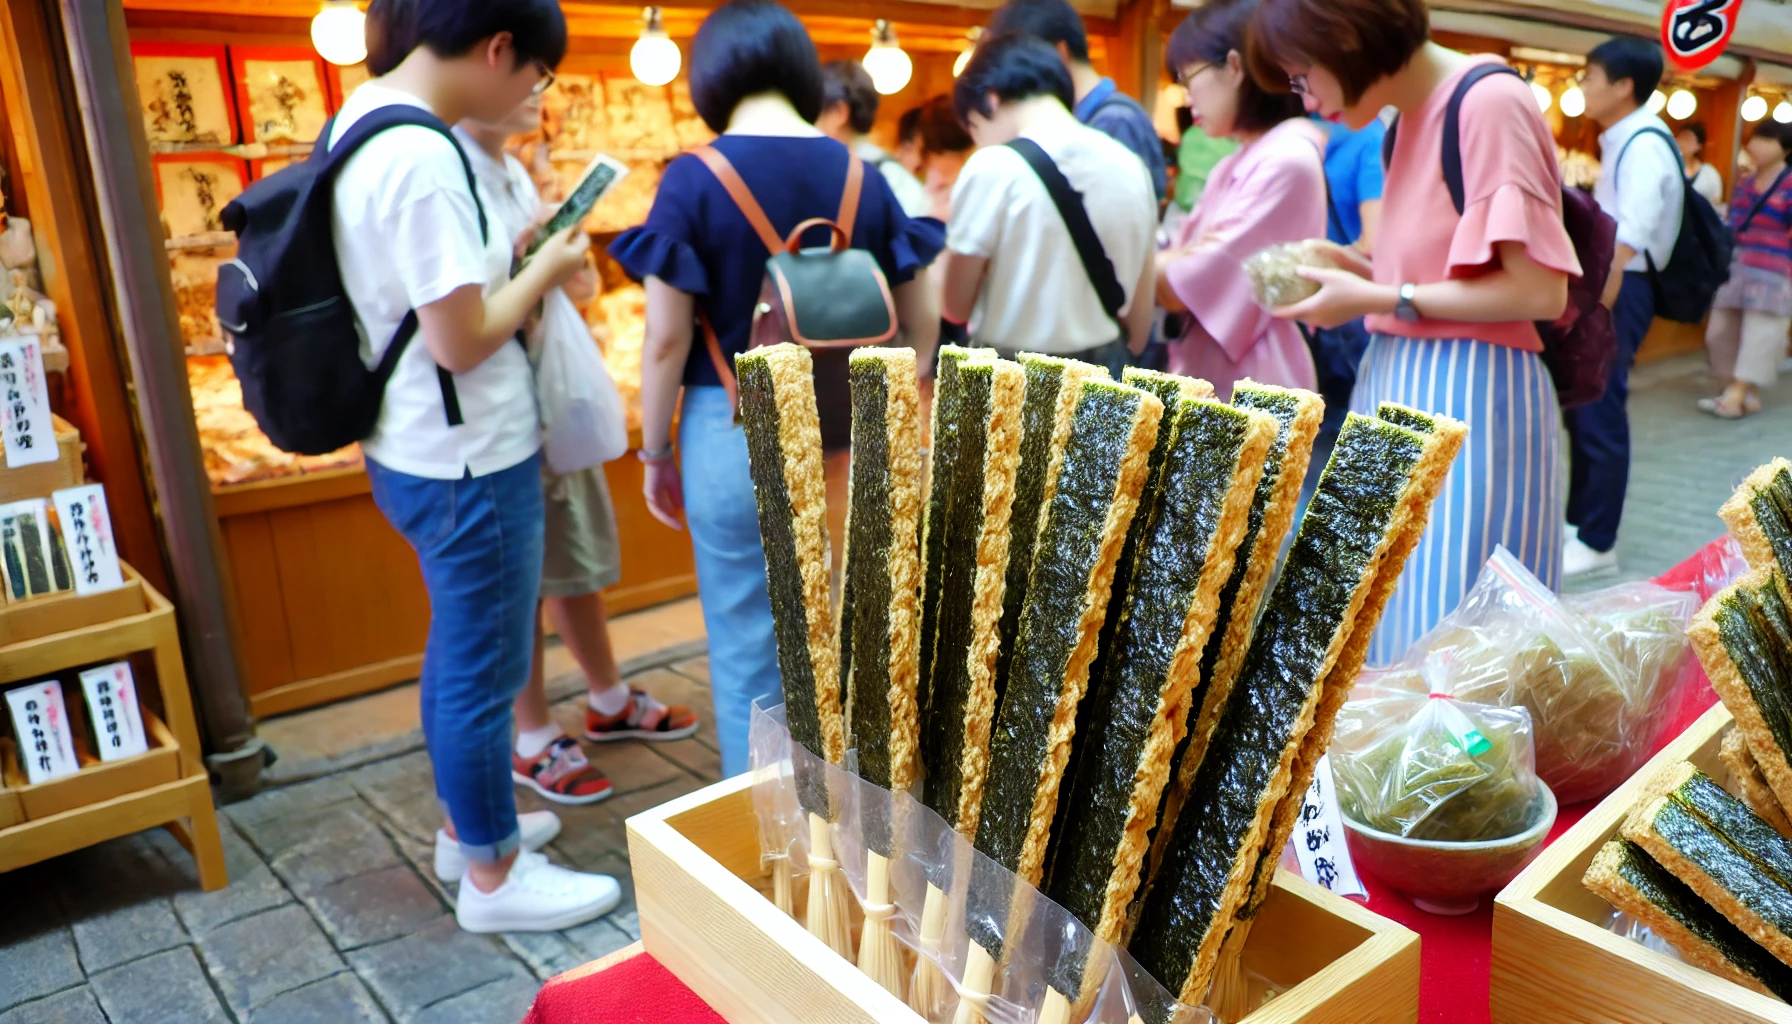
column 1695, row 32
column 1319, row 837
column 40, row 721
column 25, row 412
column 87, row 534
column 113, row 712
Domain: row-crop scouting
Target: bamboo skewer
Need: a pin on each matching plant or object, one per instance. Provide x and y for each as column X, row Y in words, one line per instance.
column 974, row 993
column 928, row 993
column 829, row 910
column 1055, row 1009
column 879, row 956
column 782, row 884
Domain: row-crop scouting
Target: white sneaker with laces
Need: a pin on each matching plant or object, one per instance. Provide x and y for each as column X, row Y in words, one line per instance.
column 537, row 897
column 1580, row 560
column 537, row 828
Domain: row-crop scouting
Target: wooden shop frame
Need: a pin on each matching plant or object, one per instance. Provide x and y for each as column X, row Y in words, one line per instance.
column 1555, row 961
column 700, row 884
column 239, row 79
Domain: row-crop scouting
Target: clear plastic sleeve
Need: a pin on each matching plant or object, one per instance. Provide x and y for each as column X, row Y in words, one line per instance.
column 1044, row 957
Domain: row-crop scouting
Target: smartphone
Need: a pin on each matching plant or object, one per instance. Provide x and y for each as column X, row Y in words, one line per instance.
column 601, row 175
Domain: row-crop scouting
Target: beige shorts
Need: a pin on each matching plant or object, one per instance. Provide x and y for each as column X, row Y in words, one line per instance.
column 580, row 555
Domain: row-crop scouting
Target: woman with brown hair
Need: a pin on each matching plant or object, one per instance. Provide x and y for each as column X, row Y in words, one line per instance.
column 1449, row 296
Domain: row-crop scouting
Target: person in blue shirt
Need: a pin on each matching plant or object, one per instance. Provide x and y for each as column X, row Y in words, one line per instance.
column 1099, row 102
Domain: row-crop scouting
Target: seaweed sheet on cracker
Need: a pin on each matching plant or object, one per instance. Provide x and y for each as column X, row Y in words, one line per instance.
column 883, row 565
column 1759, row 516
column 972, row 562
column 1750, row 786
column 1626, row 878
column 783, row 432
column 1140, row 707
column 936, row 525
column 1743, row 637
column 1355, row 518
column 1112, row 433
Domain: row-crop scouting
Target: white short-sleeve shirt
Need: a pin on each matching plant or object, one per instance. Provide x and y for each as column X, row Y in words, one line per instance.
column 1036, row 295
column 407, row 235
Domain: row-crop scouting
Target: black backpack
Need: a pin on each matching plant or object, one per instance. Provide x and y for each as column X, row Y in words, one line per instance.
column 1700, row 261
column 293, row 341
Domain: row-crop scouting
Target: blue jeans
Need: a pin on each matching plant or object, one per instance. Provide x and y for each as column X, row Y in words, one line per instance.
column 724, row 522
column 1599, row 432
column 479, row 543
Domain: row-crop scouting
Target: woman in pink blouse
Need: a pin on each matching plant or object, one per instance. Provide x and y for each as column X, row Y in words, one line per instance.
column 1450, row 298
column 1272, row 189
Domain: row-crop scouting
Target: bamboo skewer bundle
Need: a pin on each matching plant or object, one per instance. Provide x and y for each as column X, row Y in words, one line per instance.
column 783, row 432
column 883, row 569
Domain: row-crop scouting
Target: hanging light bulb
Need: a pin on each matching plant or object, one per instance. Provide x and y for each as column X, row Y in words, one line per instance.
column 1783, row 112
column 1754, row 108
column 339, row 31
column 654, row 58
column 1574, row 102
column 1544, row 99
column 1657, row 100
column 889, row 68
column 1682, row 105
column 974, row 36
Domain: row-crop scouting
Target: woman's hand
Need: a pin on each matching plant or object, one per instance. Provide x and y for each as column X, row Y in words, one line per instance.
column 664, row 492
column 1342, row 297
column 1347, row 257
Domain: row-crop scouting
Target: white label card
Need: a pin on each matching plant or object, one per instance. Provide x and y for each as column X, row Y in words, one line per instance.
column 25, row 403
column 1319, row 837
column 46, row 743
column 112, row 709
column 87, row 534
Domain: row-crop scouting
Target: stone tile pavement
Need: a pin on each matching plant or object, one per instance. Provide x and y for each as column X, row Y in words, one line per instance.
column 333, row 914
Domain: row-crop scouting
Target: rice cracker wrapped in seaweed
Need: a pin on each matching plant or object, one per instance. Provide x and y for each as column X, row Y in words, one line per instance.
column 1750, row 786
column 935, row 527
column 1378, row 480
column 1625, row 876
column 1759, row 516
column 1140, row 705
column 1743, row 637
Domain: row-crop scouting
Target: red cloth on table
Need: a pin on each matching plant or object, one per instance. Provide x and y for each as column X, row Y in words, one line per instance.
column 632, row 991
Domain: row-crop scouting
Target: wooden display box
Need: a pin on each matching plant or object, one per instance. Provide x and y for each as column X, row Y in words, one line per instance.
column 59, row 613
column 97, row 780
column 1553, row 959
column 38, row 481
column 699, row 887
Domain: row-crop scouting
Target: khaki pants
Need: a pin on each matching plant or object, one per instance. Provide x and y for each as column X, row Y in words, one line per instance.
column 1746, row 345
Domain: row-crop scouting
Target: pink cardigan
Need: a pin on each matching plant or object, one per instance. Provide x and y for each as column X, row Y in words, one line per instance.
column 1271, row 191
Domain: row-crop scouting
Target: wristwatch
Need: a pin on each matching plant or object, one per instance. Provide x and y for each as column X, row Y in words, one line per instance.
column 1403, row 307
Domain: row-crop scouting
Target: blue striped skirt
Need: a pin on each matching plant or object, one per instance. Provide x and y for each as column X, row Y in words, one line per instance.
column 1506, row 485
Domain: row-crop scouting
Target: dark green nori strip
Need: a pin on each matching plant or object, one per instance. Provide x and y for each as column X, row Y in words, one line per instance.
column 1671, row 896
column 1402, row 416
column 869, row 567
column 935, row 528
column 784, row 584
column 1772, row 506
column 1038, row 419
column 1197, row 476
column 1757, row 633
column 1069, row 551
column 943, row 736
column 1736, row 873
column 1732, row 818
column 1344, row 530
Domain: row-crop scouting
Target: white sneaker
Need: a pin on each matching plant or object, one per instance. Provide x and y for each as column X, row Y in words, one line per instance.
column 537, row 828
column 1580, row 560
column 537, row 897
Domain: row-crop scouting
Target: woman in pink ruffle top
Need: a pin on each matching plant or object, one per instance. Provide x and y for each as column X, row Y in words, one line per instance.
column 1271, row 190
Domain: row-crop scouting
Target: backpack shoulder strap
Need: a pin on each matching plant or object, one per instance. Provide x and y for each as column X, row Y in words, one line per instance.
column 1387, row 143
column 1076, row 219
column 1452, row 145
column 849, row 199
column 742, row 196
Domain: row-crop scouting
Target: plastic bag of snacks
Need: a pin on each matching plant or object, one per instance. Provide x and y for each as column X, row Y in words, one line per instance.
column 1273, row 275
column 1595, row 672
column 1412, row 759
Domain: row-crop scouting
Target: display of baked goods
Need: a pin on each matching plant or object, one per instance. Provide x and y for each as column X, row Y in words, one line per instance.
column 572, row 113
column 626, row 205
column 235, row 449
column 195, row 279
column 1579, row 170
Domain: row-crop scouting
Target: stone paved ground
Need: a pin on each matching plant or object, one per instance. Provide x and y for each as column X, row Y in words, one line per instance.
column 333, row 914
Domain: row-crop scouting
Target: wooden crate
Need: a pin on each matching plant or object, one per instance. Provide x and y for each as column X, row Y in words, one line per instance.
column 38, row 481
column 699, row 884
column 97, row 781
column 59, row 613
column 1553, row 959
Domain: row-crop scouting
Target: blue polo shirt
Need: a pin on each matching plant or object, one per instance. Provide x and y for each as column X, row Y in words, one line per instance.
column 1353, row 174
column 1120, row 117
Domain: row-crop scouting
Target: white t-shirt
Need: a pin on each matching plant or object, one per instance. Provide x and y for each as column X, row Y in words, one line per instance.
column 407, row 235
column 1707, row 183
column 1036, row 295
column 910, row 193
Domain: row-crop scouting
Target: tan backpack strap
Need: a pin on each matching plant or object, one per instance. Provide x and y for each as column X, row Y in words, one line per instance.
column 849, row 200
column 743, row 198
column 718, row 360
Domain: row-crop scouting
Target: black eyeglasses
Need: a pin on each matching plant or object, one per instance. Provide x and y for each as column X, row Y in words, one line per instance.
column 547, row 78
column 1188, row 77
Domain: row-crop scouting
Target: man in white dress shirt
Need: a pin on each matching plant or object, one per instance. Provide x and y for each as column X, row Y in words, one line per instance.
column 1642, row 187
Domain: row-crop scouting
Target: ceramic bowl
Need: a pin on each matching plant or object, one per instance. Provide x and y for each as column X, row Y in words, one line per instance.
column 1443, row 877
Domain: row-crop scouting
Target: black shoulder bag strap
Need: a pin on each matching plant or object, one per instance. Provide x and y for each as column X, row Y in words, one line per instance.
column 1452, row 140
column 371, row 124
column 1076, row 219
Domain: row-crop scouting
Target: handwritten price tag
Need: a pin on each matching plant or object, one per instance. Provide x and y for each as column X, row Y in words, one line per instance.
column 112, row 709
column 87, row 533
column 46, row 746
column 1319, row 837
column 25, row 403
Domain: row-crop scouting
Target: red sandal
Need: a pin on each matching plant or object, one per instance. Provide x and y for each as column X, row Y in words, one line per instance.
column 561, row 773
column 642, row 719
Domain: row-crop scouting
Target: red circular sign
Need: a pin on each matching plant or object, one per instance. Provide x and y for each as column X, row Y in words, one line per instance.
column 1695, row 32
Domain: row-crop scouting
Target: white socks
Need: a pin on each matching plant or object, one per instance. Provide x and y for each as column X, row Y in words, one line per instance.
column 611, row 701
column 531, row 742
